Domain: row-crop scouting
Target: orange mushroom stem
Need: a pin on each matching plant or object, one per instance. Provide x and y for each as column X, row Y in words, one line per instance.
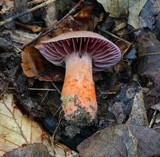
column 78, row 93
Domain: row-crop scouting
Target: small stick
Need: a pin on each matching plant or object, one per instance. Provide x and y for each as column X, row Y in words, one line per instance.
column 35, row 2
column 56, row 129
column 56, row 88
column 37, row 89
column 44, row 96
column 43, row 33
column 115, row 36
column 33, row 28
column 25, row 12
column 153, row 119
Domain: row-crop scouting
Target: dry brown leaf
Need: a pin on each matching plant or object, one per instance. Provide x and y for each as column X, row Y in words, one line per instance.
column 35, row 65
column 85, row 20
column 17, row 130
column 32, row 62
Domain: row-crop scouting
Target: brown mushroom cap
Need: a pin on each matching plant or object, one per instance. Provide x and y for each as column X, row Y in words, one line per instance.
column 102, row 51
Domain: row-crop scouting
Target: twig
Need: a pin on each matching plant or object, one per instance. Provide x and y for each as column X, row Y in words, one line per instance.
column 43, row 33
column 56, row 129
column 44, row 96
column 25, row 12
column 56, row 88
column 35, row 2
column 37, row 89
column 153, row 119
column 115, row 36
column 59, row 108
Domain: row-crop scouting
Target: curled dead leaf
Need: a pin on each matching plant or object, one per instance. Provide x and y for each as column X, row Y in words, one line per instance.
column 35, row 65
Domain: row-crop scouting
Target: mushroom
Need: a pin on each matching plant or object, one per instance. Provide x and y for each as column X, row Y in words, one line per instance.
column 79, row 52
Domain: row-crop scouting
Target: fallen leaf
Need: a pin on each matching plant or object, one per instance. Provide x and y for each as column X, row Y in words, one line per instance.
column 51, row 13
column 3, row 84
column 122, row 103
column 20, row 37
column 135, row 7
column 149, row 56
column 149, row 13
column 31, row 150
column 117, row 110
column 138, row 114
column 117, row 8
column 6, row 5
column 35, row 65
column 156, row 107
column 86, row 18
column 22, row 6
column 5, row 45
column 17, row 130
column 157, row 28
column 122, row 140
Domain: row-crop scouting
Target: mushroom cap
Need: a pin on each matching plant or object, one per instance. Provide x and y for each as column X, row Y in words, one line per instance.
column 102, row 51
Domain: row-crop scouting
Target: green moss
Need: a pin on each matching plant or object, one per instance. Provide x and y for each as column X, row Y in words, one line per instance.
column 68, row 99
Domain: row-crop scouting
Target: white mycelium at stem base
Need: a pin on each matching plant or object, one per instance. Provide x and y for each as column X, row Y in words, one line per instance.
column 78, row 93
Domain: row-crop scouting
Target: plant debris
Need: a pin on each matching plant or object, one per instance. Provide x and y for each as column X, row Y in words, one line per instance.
column 128, row 94
column 122, row 140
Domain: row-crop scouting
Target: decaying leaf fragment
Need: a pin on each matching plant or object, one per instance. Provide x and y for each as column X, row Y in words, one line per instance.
column 35, row 65
column 17, row 130
column 138, row 114
column 122, row 140
column 116, row 8
column 32, row 150
column 149, row 56
column 21, row 37
column 6, row 6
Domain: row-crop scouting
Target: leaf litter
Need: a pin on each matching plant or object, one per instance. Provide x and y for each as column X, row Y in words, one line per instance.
column 127, row 122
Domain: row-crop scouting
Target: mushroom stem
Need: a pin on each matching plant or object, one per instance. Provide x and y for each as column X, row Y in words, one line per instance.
column 78, row 93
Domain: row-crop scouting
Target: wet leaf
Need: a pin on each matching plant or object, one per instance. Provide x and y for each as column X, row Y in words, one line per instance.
column 116, row 8
column 122, row 140
column 17, row 130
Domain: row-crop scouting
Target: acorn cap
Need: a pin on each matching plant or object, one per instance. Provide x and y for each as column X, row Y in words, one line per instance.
column 102, row 51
